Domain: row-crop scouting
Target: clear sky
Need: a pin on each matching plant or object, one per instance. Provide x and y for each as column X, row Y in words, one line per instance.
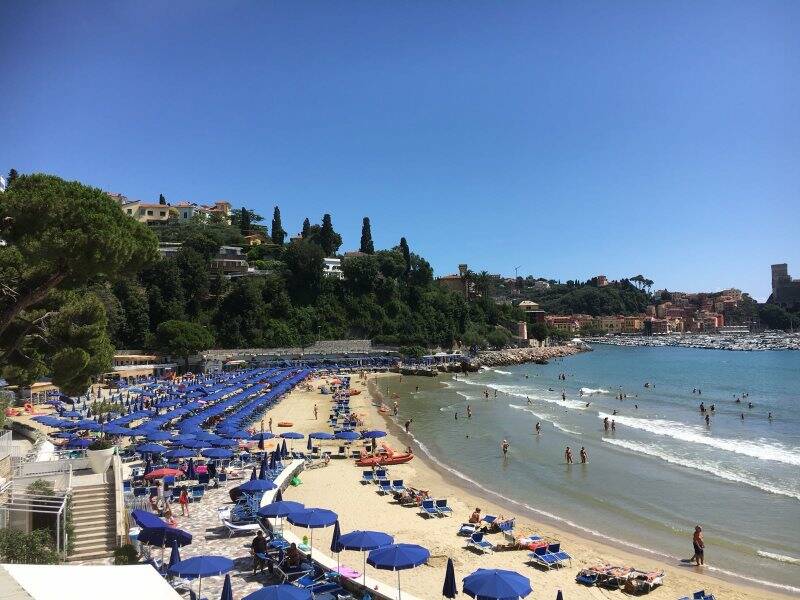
column 566, row 138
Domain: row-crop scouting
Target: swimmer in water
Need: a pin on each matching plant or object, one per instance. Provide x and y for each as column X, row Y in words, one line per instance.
column 584, row 455
column 529, row 400
column 708, row 420
column 568, row 455
column 613, row 425
column 539, row 427
column 504, row 448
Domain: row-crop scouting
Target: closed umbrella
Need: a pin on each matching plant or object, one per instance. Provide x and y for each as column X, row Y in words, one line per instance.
column 559, row 595
column 253, row 475
column 201, row 566
column 312, row 518
column 449, row 589
column 336, row 548
column 398, row 557
column 364, row 541
column 227, row 590
column 273, row 460
column 261, row 442
column 262, row 472
column 284, row 451
column 310, row 444
column 496, row 584
column 175, row 555
column 190, row 470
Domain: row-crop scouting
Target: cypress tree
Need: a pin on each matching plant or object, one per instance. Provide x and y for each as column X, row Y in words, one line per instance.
column 326, row 235
column 161, row 199
column 367, row 247
column 12, row 176
column 306, row 228
column 406, row 254
column 278, row 234
column 244, row 221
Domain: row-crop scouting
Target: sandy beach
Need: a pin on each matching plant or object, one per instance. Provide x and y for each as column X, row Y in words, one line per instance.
column 359, row 506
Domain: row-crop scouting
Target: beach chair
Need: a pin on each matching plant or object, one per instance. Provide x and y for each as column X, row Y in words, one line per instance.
column 384, row 487
column 489, row 519
column 477, row 542
column 222, row 479
column 381, row 474
column 507, row 529
column 560, row 556
column 428, row 508
column 140, row 492
column 196, row 493
column 467, row 529
column 443, row 509
column 126, row 487
column 169, row 481
column 367, row 476
column 543, row 558
column 236, row 529
column 397, row 486
column 203, row 478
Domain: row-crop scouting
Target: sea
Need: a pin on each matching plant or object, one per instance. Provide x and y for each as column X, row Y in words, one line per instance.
column 660, row 472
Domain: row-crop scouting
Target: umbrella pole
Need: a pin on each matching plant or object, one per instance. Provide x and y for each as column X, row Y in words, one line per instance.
column 398, row 584
column 200, row 588
column 364, row 570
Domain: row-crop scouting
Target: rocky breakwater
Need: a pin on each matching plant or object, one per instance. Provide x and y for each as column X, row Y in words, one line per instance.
column 518, row 356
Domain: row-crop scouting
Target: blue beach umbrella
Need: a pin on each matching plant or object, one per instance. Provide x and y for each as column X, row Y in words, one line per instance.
column 364, row 541
column 147, row 519
column 449, row 589
column 150, row 448
column 374, row 433
column 496, row 584
column 79, row 443
column 280, row 508
column 217, row 453
column 201, row 566
column 349, row 436
column 158, row 436
column 280, row 592
column 227, row 590
column 312, row 518
column 257, row 485
column 321, row 435
column 181, row 453
column 265, row 434
column 292, row 435
column 196, row 444
column 398, row 557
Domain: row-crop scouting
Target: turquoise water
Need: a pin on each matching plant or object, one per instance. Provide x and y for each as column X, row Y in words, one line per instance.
column 661, row 472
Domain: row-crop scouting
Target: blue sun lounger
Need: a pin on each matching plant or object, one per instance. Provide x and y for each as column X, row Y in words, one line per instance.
column 443, row 509
column 397, row 486
column 428, row 508
column 384, row 487
column 543, row 558
column 701, row 595
column 367, row 477
column 481, row 545
column 555, row 550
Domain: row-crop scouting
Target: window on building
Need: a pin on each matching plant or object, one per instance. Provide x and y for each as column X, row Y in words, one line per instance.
column 149, row 213
column 130, row 211
column 162, row 213
column 185, row 215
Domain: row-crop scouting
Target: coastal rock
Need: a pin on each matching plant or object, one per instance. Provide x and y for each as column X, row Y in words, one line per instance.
column 518, row 356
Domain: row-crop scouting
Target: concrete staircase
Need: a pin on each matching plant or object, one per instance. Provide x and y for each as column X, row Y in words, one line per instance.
column 94, row 521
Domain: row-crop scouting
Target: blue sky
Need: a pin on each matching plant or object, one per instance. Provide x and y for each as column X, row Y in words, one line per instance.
column 568, row 139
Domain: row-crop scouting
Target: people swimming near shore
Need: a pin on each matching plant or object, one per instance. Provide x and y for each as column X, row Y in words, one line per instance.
column 702, row 408
column 708, row 420
column 469, row 411
column 529, row 400
column 606, row 423
column 613, row 425
column 504, row 447
column 539, row 427
column 568, row 455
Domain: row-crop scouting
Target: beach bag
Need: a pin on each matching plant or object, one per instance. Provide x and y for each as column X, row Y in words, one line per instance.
column 295, row 481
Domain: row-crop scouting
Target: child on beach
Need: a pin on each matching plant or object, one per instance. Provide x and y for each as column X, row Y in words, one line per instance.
column 183, row 500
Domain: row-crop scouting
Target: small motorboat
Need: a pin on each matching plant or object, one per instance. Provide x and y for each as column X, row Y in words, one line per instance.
column 387, row 457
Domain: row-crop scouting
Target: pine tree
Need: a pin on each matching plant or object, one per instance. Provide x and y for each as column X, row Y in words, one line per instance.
column 161, row 199
column 12, row 175
column 367, row 246
column 406, row 254
column 278, row 234
column 306, row 228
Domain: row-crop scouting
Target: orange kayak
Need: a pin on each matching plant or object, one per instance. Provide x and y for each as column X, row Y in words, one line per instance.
column 380, row 461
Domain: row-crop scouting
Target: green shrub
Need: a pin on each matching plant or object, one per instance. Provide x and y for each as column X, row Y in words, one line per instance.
column 126, row 555
column 101, row 444
column 34, row 548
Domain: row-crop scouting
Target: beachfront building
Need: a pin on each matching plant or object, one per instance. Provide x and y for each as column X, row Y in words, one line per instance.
column 132, row 366
column 529, row 306
column 148, row 212
column 563, row 323
column 332, row 267
column 230, row 261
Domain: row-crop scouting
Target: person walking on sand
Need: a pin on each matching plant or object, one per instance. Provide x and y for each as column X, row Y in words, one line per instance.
column 568, row 455
column 316, row 412
column 269, row 424
column 699, row 546
column 408, row 424
column 504, row 448
column 183, row 500
column 584, row 455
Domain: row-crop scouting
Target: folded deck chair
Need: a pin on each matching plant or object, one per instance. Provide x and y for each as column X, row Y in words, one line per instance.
column 196, row 493
column 443, row 509
column 428, row 508
column 234, row 529
column 476, row 541
column 367, row 476
column 397, row 486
